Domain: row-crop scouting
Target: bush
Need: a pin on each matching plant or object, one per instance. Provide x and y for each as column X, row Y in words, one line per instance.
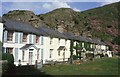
column 7, row 66
column 8, row 57
column 4, row 67
column 116, row 40
column 75, row 57
column 11, row 69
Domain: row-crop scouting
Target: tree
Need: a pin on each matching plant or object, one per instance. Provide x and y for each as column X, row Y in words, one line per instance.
column 116, row 40
column 71, row 51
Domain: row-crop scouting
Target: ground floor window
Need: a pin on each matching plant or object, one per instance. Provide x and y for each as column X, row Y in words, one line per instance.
column 51, row 51
column 58, row 53
column 23, row 54
column 9, row 50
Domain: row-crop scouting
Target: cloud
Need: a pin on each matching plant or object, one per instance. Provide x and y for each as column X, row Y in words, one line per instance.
column 105, row 2
column 58, row 0
column 36, row 7
column 58, row 4
column 75, row 9
column 55, row 5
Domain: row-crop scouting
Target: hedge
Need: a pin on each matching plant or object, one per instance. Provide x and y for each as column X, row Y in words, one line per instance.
column 9, row 67
column 8, row 57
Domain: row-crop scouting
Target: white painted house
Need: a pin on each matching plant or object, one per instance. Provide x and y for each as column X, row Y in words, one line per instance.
column 28, row 44
column 57, row 46
column 1, row 31
column 23, row 41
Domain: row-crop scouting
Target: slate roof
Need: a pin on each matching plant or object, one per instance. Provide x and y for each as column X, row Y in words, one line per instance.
column 22, row 27
column 0, row 19
column 61, row 48
column 81, row 38
column 70, row 36
column 52, row 33
column 90, row 40
column 97, row 41
column 27, row 46
column 27, row 28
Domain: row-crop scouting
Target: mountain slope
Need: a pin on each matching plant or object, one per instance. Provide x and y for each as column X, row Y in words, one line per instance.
column 101, row 21
column 24, row 16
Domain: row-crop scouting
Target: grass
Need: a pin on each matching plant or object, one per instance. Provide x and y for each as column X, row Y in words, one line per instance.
column 104, row 66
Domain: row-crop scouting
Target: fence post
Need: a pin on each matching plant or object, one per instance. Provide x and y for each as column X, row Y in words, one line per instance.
column 19, row 64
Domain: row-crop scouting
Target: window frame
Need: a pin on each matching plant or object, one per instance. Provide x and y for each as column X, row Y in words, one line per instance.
column 51, row 40
column 24, row 38
column 23, row 55
column 10, row 36
column 37, row 39
column 9, row 50
column 59, row 41
column 58, row 53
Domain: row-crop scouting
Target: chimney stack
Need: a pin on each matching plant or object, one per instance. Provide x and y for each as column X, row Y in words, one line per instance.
column 76, row 33
column 61, row 27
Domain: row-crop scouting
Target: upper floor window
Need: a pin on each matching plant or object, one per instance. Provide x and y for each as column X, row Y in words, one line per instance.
column 37, row 39
column 24, row 37
column 83, row 44
column 16, row 37
column 65, row 42
column 42, row 40
column 10, row 36
column 51, row 40
column 59, row 41
column 9, row 50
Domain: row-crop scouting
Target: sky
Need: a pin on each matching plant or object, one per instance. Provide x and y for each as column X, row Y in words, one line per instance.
column 41, row 7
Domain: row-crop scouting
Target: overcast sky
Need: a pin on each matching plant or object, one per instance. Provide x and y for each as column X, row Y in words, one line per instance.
column 41, row 7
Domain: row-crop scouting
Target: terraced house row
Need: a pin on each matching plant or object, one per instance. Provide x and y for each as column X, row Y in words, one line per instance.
column 29, row 44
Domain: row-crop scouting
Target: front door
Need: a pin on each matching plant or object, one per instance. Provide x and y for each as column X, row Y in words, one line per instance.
column 30, row 57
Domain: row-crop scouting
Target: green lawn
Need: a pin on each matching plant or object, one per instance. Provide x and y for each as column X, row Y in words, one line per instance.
column 104, row 66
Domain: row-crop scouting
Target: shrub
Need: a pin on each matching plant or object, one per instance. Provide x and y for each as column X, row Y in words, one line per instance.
column 116, row 40
column 75, row 57
column 89, row 55
column 8, row 57
column 4, row 67
column 7, row 66
column 11, row 69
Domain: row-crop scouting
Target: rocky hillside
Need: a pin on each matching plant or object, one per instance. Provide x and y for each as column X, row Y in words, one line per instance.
column 101, row 22
column 24, row 16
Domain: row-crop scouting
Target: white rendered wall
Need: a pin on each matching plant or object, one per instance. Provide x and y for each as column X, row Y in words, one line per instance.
column 1, row 31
